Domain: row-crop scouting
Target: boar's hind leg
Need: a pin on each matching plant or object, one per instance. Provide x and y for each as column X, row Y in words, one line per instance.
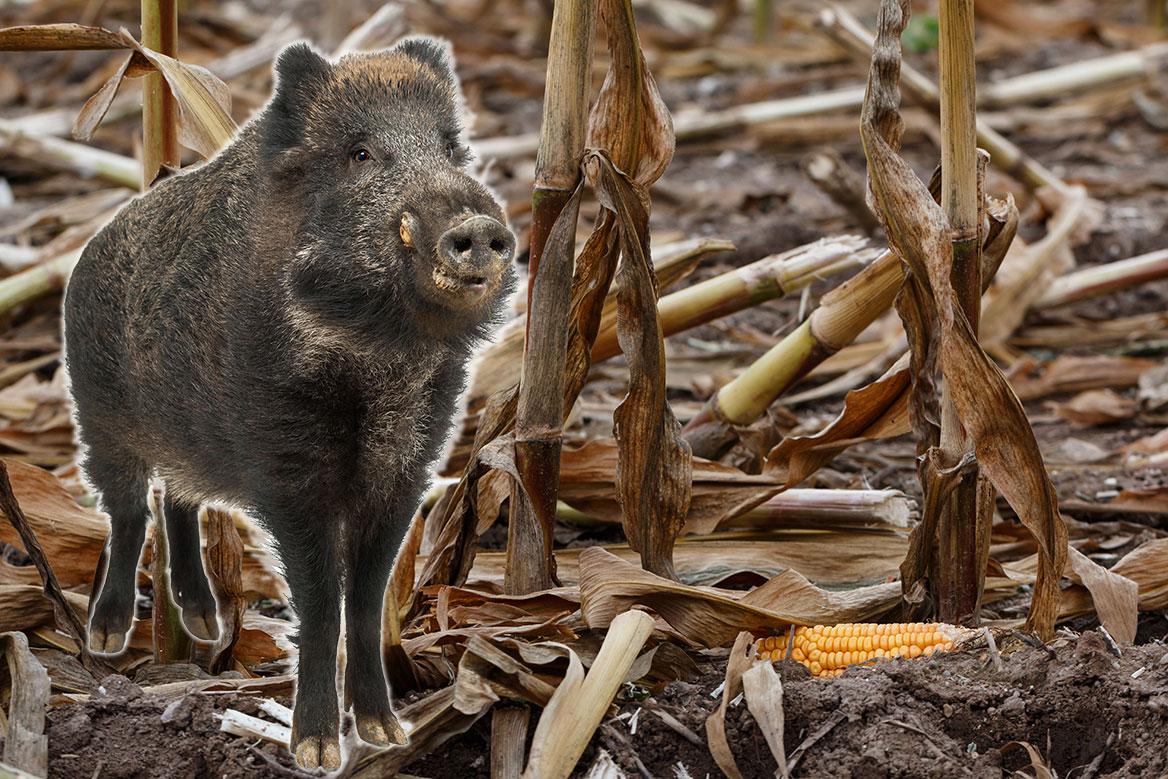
column 370, row 561
column 307, row 551
column 122, row 484
column 188, row 581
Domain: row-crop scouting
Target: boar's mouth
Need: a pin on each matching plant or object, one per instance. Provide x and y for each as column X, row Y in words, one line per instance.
column 443, row 279
column 469, row 258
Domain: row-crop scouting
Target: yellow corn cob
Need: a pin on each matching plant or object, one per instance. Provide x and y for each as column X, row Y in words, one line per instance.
column 827, row 650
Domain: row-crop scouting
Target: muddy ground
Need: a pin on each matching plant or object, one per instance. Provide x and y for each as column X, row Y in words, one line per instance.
column 1090, row 709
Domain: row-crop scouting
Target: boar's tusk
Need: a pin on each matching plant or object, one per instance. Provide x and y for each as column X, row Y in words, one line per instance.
column 407, row 239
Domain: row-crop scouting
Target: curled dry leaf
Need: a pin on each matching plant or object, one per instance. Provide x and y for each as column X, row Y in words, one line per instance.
column 711, row 617
column 1042, row 769
column 764, row 696
column 879, row 410
column 1116, row 597
column 457, row 542
column 1146, row 565
column 204, row 102
column 992, row 415
column 429, row 722
column 97, row 106
column 630, row 120
column 225, row 571
column 741, row 656
column 654, row 467
column 26, row 747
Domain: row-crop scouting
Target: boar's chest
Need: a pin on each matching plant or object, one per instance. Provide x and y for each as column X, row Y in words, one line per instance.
column 402, row 424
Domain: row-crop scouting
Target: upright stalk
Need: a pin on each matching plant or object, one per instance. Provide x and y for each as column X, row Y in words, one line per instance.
column 565, row 116
column 170, row 639
column 958, row 585
column 159, row 110
column 539, row 415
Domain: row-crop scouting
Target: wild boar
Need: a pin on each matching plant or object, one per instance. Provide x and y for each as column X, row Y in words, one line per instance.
column 286, row 329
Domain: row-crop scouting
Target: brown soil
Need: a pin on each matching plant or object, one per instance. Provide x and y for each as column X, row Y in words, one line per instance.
column 952, row 715
column 124, row 733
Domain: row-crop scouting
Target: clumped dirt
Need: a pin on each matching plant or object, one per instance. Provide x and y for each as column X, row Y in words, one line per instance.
column 1087, row 712
column 126, row 733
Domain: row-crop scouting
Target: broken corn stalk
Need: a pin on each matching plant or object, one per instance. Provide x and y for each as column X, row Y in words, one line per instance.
column 827, row 650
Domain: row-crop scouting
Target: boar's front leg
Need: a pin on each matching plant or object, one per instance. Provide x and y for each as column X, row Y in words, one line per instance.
column 370, row 558
column 121, row 479
column 188, row 580
column 307, row 550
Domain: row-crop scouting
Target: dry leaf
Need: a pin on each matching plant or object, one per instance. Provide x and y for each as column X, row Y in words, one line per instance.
column 1116, row 597
column 741, row 656
column 718, row 492
column 72, row 536
column 764, row 697
column 580, row 702
column 986, row 406
column 654, row 465
column 1041, row 768
column 1146, row 565
column 1076, row 374
column 630, row 120
column 204, row 102
column 879, row 410
column 26, row 747
column 828, row 558
column 1153, row 500
column 429, row 723
column 98, row 105
column 1097, row 407
column 711, row 617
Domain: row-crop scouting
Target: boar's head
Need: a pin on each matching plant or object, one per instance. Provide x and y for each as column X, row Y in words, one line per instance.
column 367, row 158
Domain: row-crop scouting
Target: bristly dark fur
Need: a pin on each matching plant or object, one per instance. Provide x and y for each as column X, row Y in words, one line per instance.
column 258, row 331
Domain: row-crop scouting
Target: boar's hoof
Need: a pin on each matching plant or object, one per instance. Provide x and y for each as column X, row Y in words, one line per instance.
column 201, row 621
column 318, row 752
column 380, row 729
column 106, row 643
column 107, row 635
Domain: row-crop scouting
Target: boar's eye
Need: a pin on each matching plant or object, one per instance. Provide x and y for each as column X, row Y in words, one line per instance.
column 362, row 155
column 449, row 151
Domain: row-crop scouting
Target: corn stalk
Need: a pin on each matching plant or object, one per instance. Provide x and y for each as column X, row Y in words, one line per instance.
column 160, row 146
column 939, row 334
column 539, row 415
column 960, row 562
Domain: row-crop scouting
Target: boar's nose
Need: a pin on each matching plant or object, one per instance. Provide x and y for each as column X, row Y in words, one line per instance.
column 481, row 244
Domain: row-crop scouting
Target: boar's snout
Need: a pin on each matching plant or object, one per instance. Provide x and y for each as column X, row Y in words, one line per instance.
column 474, row 254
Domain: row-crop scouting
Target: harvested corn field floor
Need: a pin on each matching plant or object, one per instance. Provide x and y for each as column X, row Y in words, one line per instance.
column 1085, row 710
column 1090, row 371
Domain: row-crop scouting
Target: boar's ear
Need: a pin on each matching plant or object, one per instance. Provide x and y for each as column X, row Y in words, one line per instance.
column 300, row 71
column 297, row 64
column 431, row 52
